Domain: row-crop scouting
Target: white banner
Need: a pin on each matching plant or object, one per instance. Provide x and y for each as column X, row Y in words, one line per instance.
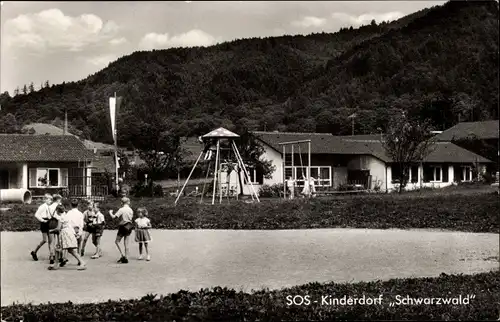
column 112, row 113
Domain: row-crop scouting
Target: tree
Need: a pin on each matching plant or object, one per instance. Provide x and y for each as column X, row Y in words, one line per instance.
column 31, row 87
column 158, row 144
column 9, row 124
column 407, row 141
column 251, row 152
column 25, row 89
column 4, row 97
column 47, row 84
column 16, row 91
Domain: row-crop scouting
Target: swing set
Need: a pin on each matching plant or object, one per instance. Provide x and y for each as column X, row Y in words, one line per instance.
column 306, row 176
column 212, row 143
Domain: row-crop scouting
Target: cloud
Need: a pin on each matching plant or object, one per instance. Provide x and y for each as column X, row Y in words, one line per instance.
column 365, row 19
column 118, row 41
column 101, row 60
column 191, row 38
column 52, row 29
column 309, row 21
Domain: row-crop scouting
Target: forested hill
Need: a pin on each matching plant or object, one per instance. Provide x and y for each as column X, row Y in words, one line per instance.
column 440, row 63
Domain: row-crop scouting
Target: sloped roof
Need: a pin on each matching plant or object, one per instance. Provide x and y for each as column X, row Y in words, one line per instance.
column 451, row 153
column 220, row 133
column 482, row 130
column 103, row 163
column 323, row 143
column 23, row 147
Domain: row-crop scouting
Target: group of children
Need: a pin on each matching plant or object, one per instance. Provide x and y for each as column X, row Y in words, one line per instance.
column 309, row 190
column 67, row 232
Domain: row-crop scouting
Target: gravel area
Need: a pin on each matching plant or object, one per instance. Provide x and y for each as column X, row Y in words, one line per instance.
column 240, row 259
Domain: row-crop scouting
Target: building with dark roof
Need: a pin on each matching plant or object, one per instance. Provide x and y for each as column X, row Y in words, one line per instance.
column 361, row 159
column 478, row 137
column 45, row 163
column 485, row 130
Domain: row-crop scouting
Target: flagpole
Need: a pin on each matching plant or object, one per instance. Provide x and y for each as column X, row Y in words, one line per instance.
column 116, row 146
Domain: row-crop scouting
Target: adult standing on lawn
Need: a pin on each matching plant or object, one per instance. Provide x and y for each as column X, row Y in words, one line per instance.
column 43, row 215
column 125, row 227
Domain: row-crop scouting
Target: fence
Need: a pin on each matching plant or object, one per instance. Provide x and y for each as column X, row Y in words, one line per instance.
column 86, row 187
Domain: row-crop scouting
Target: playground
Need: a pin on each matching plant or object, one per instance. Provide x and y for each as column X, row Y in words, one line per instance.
column 194, row 259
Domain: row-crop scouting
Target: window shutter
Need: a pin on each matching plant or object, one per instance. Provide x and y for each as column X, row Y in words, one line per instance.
column 32, row 177
column 64, row 177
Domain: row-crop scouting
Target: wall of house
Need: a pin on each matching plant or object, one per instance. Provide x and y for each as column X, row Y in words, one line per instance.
column 376, row 167
column 452, row 178
column 339, row 176
column 72, row 175
column 275, row 157
column 17, row 174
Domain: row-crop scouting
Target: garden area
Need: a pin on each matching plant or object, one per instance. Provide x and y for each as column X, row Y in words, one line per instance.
column 461, row 210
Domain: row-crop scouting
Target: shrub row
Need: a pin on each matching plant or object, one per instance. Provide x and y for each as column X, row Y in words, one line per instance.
column 474, row 213
column 222, row 304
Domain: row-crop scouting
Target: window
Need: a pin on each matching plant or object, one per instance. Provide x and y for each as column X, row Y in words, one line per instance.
column 466, row 173
column 433, row 173
column 255, row 176
column 48, row 177
column 412, row 175
column 323, row 175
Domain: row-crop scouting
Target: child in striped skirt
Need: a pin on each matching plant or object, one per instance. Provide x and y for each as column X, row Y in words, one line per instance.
column 142, row 235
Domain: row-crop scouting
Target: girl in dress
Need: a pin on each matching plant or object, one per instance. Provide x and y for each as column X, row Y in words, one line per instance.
column 67, row 237
column 142, row 236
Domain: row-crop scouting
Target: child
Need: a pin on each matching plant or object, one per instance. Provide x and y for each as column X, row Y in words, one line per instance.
column 291, row 187
column 67, row 237
column 125, row 227
column 43, row 216
column 75, row 218
column 88, row 225
column 98, row 228
column 142, row 236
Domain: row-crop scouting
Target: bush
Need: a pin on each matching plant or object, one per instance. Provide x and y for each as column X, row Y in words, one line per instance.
column 271, row 191
column 462, row 212
column 223, row 304
column 141, row 190
column 349, row 187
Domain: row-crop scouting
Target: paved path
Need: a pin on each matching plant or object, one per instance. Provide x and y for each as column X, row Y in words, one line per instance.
column 192, row 259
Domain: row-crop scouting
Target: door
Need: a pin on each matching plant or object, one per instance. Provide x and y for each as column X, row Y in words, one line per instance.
column 4, row 179
column 358, row 177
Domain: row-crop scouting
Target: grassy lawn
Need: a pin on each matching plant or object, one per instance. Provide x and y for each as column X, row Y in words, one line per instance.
column 462, row 210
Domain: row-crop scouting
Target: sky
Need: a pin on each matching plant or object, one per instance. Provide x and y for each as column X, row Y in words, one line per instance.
column 67, row 41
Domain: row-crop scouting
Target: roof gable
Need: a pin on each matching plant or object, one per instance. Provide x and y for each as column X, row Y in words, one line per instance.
column 22, row 147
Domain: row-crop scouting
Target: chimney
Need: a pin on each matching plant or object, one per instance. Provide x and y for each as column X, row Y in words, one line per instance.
column 65, row 131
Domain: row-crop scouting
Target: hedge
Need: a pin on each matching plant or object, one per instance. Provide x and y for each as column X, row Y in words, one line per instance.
column 473, row 213
column 223, row 304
